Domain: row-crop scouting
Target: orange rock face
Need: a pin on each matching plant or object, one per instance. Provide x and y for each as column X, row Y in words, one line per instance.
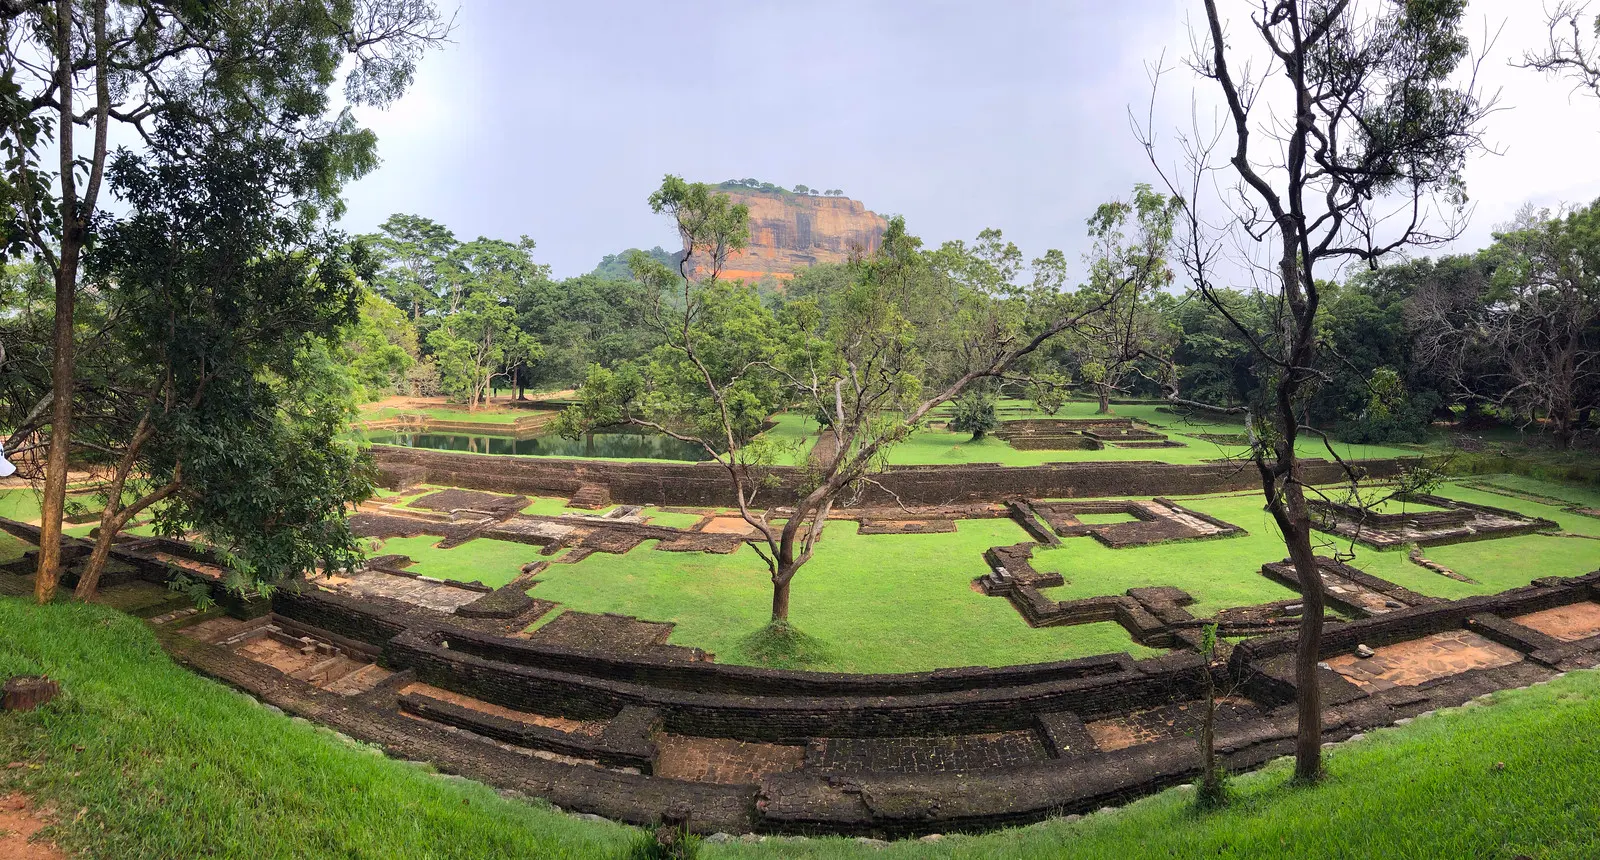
column 791, row 231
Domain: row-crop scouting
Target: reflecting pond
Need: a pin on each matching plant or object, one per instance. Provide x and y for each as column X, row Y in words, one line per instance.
column 619, row 443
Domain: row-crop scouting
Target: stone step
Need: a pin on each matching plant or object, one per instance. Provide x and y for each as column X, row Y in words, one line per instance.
column 591, row 497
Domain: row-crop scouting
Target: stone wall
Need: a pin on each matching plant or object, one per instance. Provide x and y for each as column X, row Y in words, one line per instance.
column 707, row 483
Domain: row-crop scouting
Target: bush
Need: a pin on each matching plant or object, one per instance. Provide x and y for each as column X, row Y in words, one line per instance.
column 974, row 413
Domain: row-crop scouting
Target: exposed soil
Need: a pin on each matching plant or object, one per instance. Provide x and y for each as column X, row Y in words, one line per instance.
column 1417, row 661
column 1567, row 623
column 590, row 728
column 19, row 821
column 728, row 526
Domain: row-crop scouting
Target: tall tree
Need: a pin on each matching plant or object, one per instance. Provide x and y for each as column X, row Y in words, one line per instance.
column 1340, row 144
column 220, row 401
column 1542, row 320
column 265, row 65
column 478, row 338
column 1134, row 269
column 411, row 252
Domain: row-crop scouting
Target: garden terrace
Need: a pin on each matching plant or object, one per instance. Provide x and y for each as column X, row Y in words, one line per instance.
column 630, row 735
column 603, row 679
column 706, row 484
column 1450, row 521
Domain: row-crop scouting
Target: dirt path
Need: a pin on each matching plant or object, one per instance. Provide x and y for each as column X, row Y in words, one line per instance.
column 18, row 822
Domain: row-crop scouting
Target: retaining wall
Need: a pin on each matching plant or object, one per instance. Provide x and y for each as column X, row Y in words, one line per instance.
column 707, row 483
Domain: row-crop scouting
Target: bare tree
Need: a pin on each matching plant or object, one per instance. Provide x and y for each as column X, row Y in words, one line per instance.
column 1348, row 135
column 1569, row 53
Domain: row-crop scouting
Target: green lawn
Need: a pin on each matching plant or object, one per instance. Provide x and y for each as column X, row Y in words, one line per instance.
column 12, row 548
column 937, row 446
column 141, row 759
column 491, row 562
column 439, row 413
column 878, row 603
column 19, row 504
column 887, row 603
column 1225, row 572
column 795, row 433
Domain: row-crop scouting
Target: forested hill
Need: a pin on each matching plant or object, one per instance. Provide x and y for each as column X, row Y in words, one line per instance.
column 614, row 267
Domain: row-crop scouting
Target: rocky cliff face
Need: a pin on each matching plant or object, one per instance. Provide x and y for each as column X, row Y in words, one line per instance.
column 790, row 231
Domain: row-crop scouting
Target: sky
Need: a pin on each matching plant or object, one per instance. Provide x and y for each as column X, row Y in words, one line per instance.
column 557, row 120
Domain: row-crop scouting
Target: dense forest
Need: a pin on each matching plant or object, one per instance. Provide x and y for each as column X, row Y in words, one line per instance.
column 1506, row 335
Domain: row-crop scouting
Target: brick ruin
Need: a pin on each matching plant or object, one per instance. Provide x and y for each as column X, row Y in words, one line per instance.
column 1455, row 522
column 601, row 713
column 1081, row 434
column 707, row 485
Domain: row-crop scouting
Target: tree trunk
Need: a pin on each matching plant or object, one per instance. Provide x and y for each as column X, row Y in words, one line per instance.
column 55, row 469
column 780, row 598
column 1308, row 648
column 89, row 581
column 1105, row 401
column 1564, row 426
column 61, row 369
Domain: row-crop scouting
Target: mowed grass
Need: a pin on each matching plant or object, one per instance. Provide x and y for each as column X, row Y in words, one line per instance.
column 1225, row 572
column 12, row 548
column 441, row 413
column 491, row 562
column 140, row 759
column 933, row 446
column 887, row 603
column 20, row 504
column 877, row 603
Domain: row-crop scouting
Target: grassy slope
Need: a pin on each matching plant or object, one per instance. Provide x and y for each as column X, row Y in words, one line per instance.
column 144, row 760
column 1515, row 778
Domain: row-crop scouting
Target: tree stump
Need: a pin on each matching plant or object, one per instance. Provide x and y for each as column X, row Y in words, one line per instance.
column 26, row 692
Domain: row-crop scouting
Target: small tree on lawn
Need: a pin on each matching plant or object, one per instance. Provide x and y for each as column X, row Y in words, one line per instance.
column 974, row 413
column 877, row 354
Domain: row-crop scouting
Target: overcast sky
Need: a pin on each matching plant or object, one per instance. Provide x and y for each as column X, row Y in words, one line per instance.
column 556, row 120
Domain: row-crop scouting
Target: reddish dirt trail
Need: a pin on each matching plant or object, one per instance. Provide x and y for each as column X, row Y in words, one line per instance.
column 18, row 822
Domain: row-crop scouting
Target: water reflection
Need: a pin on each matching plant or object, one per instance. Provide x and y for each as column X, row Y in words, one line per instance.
column 630, row 444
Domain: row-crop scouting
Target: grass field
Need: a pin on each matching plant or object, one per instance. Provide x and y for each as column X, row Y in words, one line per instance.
column 145, row 760
column 441, row 413
column 140, row 759
column 938, row 446
column 878, row 603
column 796, row 432
column 890, row 603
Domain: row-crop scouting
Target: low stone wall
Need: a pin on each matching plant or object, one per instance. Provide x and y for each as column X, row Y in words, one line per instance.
column 707, row 484
column 1434, row 617
column 717, row 700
